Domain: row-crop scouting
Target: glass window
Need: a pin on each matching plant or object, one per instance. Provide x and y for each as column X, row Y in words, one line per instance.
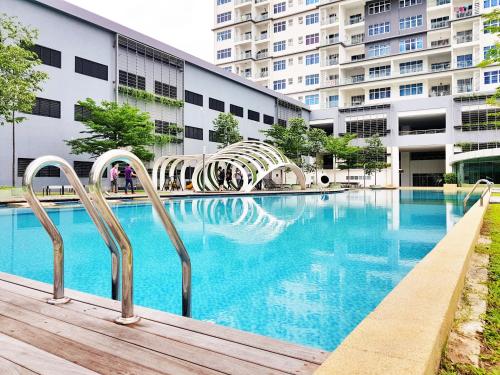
column 410, row 22
column 410, row 44
column 379, row 28
column 220, row 2
column 411, row 89
column 224, row 17
column 280, row 84
column 279, row 46
column 379, row 7
column 491, row 77
column 312, row 59
column 279, row 65
column 411, row 67
column 464, row 61
column 280, row 7
column 409, row 3
column 279, row 26
column 312, row 99
column 312, row 38
column 310, row 2
column 223, row 53
column 376, row 50
column 490, row 3
column 312, row 18
column 223, row 35
column 380, row 71
column 312, row 79
column 380, row 93
column 487, row 25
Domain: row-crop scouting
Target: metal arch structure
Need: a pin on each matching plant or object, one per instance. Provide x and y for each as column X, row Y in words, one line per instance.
column 254, row 159
column 171, row 162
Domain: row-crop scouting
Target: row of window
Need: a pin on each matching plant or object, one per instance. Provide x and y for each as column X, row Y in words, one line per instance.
column 193, row 132
column 52, row 57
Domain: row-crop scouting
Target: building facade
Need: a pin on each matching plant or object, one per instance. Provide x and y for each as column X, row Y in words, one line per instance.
column 87, row 56
column 403, row 69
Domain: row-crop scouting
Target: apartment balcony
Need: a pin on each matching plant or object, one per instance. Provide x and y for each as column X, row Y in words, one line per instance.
column 464, row 64
column 245, row 17
column 261, row 2
column 244, row 56
column 330, row 62
column 328, row 105
column 422, row 131
column 261, row 75
column 262, row 55
column 439, row 24
column 246, row 74
column 262, row 17
column 355, row 21
column 330, row 40
column 262, row 37
column 459, row 39
column 240, row 3
column 329, row 21
column 443, row 90
column 243, row 38
column 465, row 11
column 464, row 88
column 438, row 3
column 330, row 83
column 440, row 43
column 440, row 67
column 356, row 39
column 354, row 79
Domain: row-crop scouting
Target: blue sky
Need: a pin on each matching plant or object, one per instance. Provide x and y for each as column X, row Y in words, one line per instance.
column 184, row 24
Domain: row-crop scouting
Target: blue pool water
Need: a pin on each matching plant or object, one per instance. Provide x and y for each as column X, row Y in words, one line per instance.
column 302, row 268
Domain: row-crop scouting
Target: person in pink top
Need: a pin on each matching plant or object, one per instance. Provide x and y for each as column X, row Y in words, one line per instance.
column 114, row 178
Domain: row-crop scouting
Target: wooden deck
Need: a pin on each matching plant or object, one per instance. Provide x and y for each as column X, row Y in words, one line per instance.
column 81, row 338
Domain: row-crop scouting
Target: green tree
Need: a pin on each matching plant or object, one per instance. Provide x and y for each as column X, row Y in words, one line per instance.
column 110, row 125
column 316, row 139
column 350, row 159
column 374, row 156
column 226, row 130
column 337, row 146
column 19, row 79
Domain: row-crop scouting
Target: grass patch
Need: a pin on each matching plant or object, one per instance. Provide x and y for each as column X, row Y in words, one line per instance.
column 490, row 356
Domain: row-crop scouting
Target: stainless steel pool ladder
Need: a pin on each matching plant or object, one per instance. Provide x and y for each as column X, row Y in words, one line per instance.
column 96, row 193
column 488, row 188
column 55, row 235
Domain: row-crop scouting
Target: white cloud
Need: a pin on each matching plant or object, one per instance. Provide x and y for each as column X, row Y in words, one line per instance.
column 184, row 24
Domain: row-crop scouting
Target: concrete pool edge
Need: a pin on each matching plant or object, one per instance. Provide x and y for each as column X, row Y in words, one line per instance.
column 407, row 331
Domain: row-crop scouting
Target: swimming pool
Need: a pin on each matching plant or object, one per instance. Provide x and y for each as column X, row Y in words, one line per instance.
column 306, row 268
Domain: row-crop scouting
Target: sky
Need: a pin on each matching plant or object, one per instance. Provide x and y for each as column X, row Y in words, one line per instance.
column 184, row 24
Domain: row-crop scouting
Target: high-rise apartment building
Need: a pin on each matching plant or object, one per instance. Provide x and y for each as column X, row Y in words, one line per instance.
column 403, row 69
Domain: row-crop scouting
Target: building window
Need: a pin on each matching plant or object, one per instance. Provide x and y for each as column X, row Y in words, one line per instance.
column 212, row 136
column 411, row 67
column 490, row 3
column 193, row 98
column 279, row 26
column 48, row 56
column 253, row 115
column 193, row 133
column 380, row 93
column 486, row 52
column 464, row 61
column 464, row 85
column 50, row 171
column 164, row 89
column 216, row 105
column 491, row 77
column 312, row 18
column 310, row 2
column 411, row 22
column 82, row 168
column 409, row 3
column 380, row 71
column 279, row 65
column 312, row 59
column 411, row 89
column 165, row 127
column 379, row 7
column 91, row 68
column 312, row 79
column 280, row 7
column 279, row 84
column 220, row 2
column 333, row 101
column 376, row 50
column 410, row 44
column 47, row 108
column 81, row 113
column 379, row 28
column 312, row 99
column 236, row 110
column 223, row 35
column 224, row 17
column 312, row 38
column 490, row 24
column 228, row 69
column 269, row 120
column 131, row 80
column 223, row 53
column 279, row 46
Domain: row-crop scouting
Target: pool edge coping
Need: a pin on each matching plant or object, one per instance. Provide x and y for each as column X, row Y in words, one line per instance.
column 407, row 331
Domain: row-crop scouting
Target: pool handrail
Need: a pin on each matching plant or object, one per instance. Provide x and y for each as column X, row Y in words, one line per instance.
column 96, row 193
column 488, row 187
column 58, row 244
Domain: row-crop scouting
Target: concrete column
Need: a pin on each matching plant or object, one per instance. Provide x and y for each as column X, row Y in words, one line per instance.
column 395, row 165
column 449, row 157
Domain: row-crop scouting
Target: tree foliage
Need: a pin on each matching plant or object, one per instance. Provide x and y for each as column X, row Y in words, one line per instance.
column 493, row 54
column 110, row 125
column 19, row 78
column 374, row 156
column 337, row 147
column 226, row 130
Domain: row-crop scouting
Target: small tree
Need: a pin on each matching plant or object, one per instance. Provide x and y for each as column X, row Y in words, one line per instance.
column 226, row 130
column 316, row 139
column 337, row 146
column 19, row 79
column 110, row 126
column 350, row 159
column 374, row 156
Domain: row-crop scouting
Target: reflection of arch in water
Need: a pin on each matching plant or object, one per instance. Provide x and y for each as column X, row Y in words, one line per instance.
column 255, row 159
column 240, row 219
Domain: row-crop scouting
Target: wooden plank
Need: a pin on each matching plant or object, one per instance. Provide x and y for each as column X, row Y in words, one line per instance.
column 253, row 355
column 133, row 335
column 307, row 354
column 10, row 368
column 34, row 360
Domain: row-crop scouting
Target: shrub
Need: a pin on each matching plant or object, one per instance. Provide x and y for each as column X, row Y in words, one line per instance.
column 450, row 178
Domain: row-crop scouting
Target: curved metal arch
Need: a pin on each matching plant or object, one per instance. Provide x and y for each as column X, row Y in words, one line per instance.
column 48, row 224
column 96, row 192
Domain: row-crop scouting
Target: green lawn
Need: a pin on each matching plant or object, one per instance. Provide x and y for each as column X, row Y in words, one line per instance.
column 491, row 338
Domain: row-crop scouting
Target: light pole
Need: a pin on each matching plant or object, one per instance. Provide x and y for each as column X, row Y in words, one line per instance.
column 204, row 152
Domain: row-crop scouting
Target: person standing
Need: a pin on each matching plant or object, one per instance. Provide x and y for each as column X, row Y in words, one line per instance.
column 229, row 177
column 239, row 179
column 129, row 174
column 220, row 178
column 114, row 178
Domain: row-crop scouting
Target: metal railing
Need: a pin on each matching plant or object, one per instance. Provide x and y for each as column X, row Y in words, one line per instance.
column 421, row 131
column 96, row 193
column 481, row 198
column 57, row 241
